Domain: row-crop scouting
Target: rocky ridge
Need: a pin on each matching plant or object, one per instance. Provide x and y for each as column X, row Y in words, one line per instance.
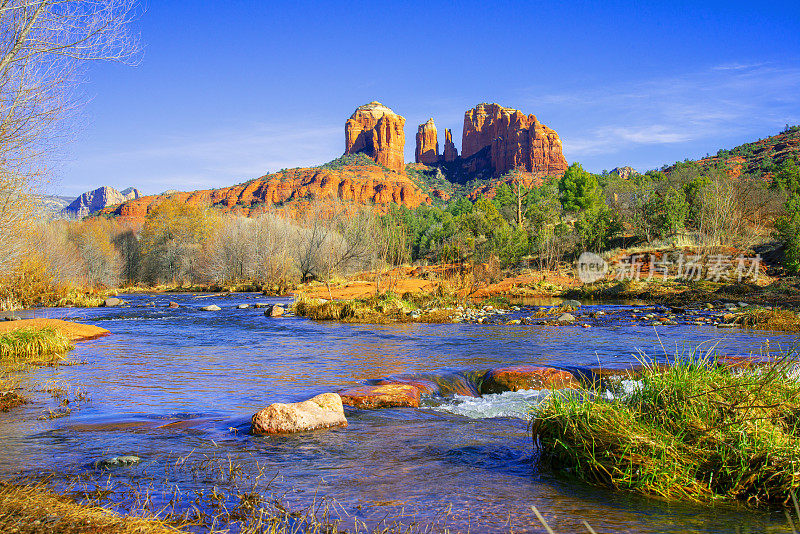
column 347, row 179
column 97, row 200
column 759, row 158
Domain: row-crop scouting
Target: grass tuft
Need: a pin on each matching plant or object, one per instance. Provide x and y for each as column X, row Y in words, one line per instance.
column 35, row 509
column 693, row 431
column 775, row 319
column 38, row 346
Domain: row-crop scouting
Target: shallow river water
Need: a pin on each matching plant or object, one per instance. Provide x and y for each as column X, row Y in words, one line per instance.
column 170, row 382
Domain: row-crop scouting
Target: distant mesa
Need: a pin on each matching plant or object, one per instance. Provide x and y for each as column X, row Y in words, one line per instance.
column 377, row 131
column 497, row 139
column 97, row 200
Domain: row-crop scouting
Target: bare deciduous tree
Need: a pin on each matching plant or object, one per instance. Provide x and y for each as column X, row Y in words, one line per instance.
column 43, row 46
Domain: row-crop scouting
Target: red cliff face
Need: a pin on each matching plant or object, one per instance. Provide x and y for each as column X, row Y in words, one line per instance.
column 356, row 183
column 377, row 131
column 515, row 141
column 427, row 150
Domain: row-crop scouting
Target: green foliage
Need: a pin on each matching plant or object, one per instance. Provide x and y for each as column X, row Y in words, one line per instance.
column 579, row 189
column 693, row 191
column 665, row 213
column 460, row 206
column 787, row 229
column 787, row 177
column 348, row 160
column 596, row 227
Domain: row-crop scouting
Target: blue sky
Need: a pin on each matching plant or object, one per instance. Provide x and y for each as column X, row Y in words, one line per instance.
column 226, row 91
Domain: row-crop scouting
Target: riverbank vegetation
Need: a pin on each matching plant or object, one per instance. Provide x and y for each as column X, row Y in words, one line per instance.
column 36, row 346
column 694, row 430
column 694, row 209
column 379, row 309
column 35, row 509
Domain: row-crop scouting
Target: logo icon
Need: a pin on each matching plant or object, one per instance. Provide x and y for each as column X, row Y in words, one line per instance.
column 591, row 267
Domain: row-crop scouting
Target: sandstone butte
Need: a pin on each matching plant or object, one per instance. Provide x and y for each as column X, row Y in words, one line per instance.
column 377, row 131
column 514, row 140
column 356, row 183
column 427, row 151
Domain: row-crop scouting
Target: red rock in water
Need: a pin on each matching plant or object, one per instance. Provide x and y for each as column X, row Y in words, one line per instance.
column 425, row 387
column 377, row 131
column 427, row 150
column 382, row 396
column 322, row 411
column 450, row 152
column 515, row 141
column 527, row 377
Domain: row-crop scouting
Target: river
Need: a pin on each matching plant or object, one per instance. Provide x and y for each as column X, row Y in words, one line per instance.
column 170, row 383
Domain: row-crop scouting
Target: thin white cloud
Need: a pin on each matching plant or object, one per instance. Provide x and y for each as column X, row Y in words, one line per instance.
column 722, row 101
column 211, row 159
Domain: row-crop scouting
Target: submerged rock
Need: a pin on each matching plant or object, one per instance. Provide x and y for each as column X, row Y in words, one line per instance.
column 243, row 306
column 566, row 318
column 211, row 307
column 527, row 377
column 322, row 411
column 113, row 301
column 571, row 303
column 117, row 461
column 382, row 396
column 174, row 305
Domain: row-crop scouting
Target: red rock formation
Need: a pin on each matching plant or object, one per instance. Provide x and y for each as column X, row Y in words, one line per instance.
column 527, row 377
column 377, row 131
column 384, row 396
column 355, row 183
column 427, row 151
column 516, row 141
column 450, row 152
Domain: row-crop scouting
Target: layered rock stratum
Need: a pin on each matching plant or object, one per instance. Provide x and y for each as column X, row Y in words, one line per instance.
column 427, row 151
column 508, row 139
column 97, row 200
column 358, row 183
column 377, row 131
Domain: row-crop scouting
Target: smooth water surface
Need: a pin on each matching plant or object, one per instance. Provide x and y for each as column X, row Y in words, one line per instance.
column 170, row 382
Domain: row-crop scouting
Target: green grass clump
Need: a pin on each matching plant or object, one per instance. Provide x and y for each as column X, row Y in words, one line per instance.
column 693, row 431
column 33, row 345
